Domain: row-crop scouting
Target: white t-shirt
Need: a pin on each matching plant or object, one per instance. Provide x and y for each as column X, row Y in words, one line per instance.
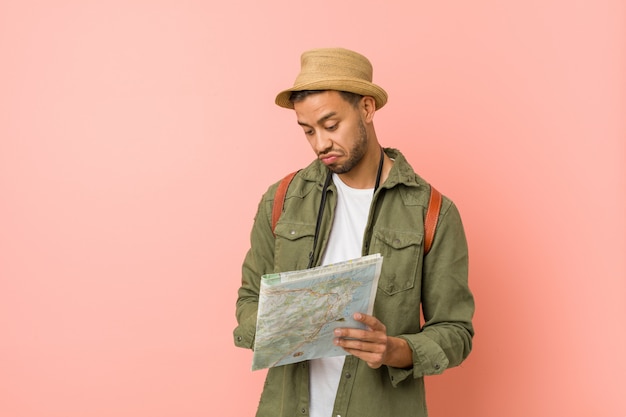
column 345, row 242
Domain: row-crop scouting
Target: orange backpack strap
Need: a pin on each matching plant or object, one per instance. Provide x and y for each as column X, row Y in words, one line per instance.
column 432, row 216
column 430, row 223
column 279, row 199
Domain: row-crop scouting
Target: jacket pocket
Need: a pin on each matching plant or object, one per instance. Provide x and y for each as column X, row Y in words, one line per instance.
column 401, row 251
column 293, row 243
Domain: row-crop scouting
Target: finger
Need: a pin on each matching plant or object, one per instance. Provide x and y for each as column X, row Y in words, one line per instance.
column 360, row 334
column 373, row 359
column 370, row 321
column 360, row 345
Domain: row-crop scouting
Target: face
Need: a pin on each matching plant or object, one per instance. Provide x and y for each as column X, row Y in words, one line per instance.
column 335, row 130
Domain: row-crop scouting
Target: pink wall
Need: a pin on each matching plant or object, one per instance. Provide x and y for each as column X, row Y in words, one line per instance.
column 136, row 138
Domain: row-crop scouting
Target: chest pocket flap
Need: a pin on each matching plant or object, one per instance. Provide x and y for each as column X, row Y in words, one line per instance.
column 401, row 251
column 293, row 243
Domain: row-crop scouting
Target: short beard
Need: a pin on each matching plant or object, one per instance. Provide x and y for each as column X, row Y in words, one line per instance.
column 356, row 153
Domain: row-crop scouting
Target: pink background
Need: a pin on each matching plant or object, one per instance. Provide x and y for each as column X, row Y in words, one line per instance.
column 136, row 138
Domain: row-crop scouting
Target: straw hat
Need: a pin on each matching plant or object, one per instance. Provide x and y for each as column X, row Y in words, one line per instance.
column 334, row 69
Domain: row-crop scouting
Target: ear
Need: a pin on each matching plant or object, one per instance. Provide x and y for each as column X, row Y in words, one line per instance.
column 368, row 108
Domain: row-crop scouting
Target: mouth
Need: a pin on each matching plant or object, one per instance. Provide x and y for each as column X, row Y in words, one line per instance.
column 328, row 159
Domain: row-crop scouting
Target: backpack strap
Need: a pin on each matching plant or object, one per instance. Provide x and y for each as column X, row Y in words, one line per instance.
column 279, row 199
column 432, row 217
column 430, row 222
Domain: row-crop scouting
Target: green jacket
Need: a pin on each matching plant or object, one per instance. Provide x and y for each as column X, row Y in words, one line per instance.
column 395, row 229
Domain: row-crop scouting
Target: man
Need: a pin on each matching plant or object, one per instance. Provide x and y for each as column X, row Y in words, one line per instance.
column 357, row 199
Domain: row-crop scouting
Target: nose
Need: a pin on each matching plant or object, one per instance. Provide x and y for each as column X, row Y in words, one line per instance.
column 321, row 142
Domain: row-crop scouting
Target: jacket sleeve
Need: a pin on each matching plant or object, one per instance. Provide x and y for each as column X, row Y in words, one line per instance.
column 258, row 261
column 447, row 303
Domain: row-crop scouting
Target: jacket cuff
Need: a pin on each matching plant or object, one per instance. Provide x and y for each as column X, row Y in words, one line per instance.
column 244, row 333
column 428, row 359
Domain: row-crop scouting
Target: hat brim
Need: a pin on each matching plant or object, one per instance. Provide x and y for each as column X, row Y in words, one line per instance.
column 351, row 85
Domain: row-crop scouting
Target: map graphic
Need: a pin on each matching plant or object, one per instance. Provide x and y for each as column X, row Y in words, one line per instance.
column 299, row 310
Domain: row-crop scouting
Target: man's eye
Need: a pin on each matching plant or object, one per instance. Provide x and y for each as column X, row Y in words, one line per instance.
column 308, row 132
column 333, row 127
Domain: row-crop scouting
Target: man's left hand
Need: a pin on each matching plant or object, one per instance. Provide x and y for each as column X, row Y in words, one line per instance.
column 373, row 345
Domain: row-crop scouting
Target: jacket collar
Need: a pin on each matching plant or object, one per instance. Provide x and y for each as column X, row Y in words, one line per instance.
column 401, row 172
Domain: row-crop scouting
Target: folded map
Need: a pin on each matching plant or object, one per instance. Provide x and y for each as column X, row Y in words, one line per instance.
column 298, row 310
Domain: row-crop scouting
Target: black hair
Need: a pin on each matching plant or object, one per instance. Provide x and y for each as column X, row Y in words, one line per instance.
column 352, row 98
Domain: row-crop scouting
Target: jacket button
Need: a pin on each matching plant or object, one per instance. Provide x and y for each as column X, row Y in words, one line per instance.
column 348, row 375
column 303, row 411
column 437, row 366
column 239, row 338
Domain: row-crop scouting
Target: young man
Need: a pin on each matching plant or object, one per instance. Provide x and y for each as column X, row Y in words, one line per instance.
column 368, row 200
